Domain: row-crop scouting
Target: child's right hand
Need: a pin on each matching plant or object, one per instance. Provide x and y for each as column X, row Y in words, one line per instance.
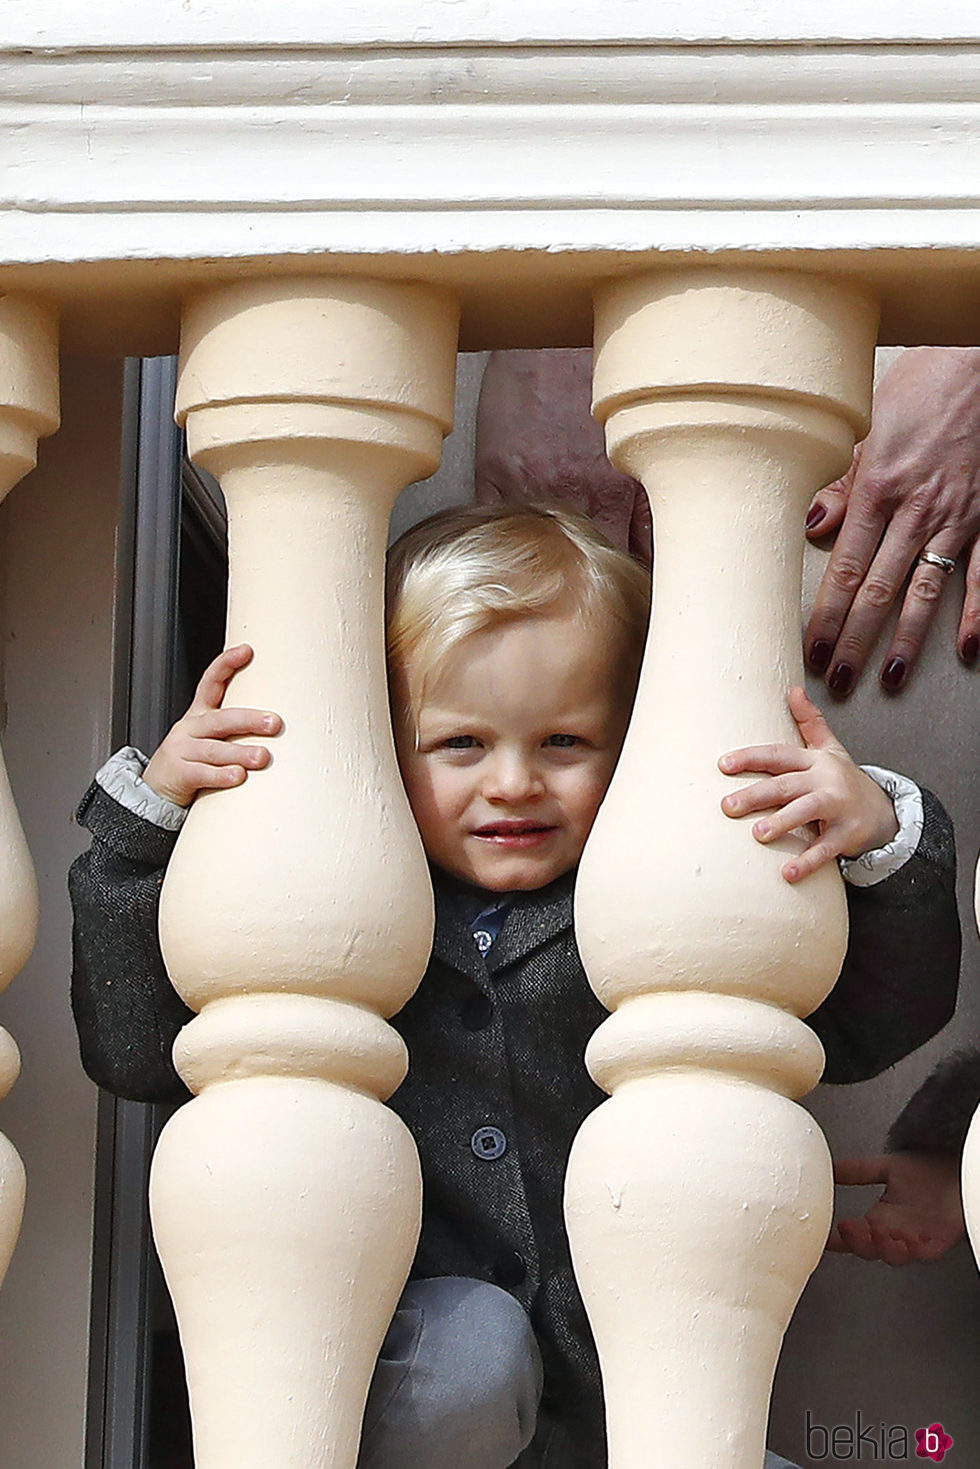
column 918, row 1217
column 195, row 755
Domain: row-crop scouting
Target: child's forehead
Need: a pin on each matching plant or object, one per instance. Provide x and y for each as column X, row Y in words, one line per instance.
column 548, row 656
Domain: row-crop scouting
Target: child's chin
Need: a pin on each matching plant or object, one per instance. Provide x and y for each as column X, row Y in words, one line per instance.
column 516, row 877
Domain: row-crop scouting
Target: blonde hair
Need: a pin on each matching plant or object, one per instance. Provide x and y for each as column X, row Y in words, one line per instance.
column 462, row 571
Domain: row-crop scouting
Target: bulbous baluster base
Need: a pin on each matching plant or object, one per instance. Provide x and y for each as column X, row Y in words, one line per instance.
column 13, row 1182
column 289, row 1207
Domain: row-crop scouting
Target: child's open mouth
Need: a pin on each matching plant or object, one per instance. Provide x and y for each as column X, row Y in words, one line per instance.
column 515, row 833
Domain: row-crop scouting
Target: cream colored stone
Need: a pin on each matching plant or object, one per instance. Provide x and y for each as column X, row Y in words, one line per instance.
column 12, row 1178
column 297, row 910
column 698, row 1197
column 28, row 410
column 28, row 383
column 970, row 1184
column 970, row 1176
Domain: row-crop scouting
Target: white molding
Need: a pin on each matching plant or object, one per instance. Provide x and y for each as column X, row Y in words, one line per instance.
column 612, row 168
column 164, row 24
column 195, row 130
column 286, row 76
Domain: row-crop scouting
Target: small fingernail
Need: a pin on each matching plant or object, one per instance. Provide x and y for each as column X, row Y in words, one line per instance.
column 730, row 804
column 762, row 828
column 893, row 674
column 841, row 679
column 790, row 873
column 726, row 762
column 819, row 655
column 970, row 648
column 815, row 515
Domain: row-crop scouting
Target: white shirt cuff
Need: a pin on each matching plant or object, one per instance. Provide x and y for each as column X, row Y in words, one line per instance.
column 881, row 862
column 121, row 777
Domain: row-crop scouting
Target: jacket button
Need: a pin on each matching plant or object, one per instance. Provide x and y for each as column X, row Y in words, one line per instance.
column 509, row 1268
column 488, row 1143
column 476, row 1012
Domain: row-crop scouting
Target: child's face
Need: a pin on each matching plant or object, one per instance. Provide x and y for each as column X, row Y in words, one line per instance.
column 516, row 742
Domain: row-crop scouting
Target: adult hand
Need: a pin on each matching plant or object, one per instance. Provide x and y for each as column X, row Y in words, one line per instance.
column 913, row 486
column 536, row 440
column 919, row 1215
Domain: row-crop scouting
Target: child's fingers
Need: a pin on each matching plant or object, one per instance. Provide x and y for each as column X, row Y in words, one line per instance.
column 201, row 777
column 813, row 727
column 228, row 724
column 765, row 760
column 794, row 815
column 817, row 855
column 766, row 795
column 217, row 676
column 206, row 753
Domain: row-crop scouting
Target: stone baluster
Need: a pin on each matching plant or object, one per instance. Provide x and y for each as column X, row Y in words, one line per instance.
column 28, row 411
column 971, row 1151
column 297, row 911
column 698, row 1196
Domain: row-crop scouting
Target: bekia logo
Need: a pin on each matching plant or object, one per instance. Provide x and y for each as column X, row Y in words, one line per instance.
column 847, row 1442
column 933, row 1443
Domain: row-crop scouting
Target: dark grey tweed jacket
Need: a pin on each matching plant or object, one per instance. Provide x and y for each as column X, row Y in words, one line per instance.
column 496, row 1043
column 937, row 1118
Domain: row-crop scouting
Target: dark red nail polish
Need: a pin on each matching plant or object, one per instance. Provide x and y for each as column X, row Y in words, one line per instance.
column 841, row 679
column 893, row 674
column 970, row 648
column 814, row 515
column 819, row 655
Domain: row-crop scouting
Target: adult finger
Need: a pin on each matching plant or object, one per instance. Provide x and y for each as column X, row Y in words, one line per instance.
column 930, row 1246
column 968, row 635
column 891, row 1247
column 829, row 505
column 856, row 1171
column 855, row 1236
column 920, row 606
column 853, row 553
column 217, row 676
column 871, row 605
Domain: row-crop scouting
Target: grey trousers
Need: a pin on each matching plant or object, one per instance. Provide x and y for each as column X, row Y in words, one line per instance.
column 458, row 1383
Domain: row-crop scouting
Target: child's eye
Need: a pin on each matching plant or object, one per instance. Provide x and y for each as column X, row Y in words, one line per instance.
column 563, row 741
column 460, row 742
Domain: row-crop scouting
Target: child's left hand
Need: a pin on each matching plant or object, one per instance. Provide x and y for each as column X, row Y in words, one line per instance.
column 819, row 784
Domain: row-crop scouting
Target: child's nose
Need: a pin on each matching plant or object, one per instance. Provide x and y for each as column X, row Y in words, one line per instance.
column 513, row 778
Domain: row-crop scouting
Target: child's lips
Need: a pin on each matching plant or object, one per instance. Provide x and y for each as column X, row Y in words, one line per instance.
column 519, row 834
